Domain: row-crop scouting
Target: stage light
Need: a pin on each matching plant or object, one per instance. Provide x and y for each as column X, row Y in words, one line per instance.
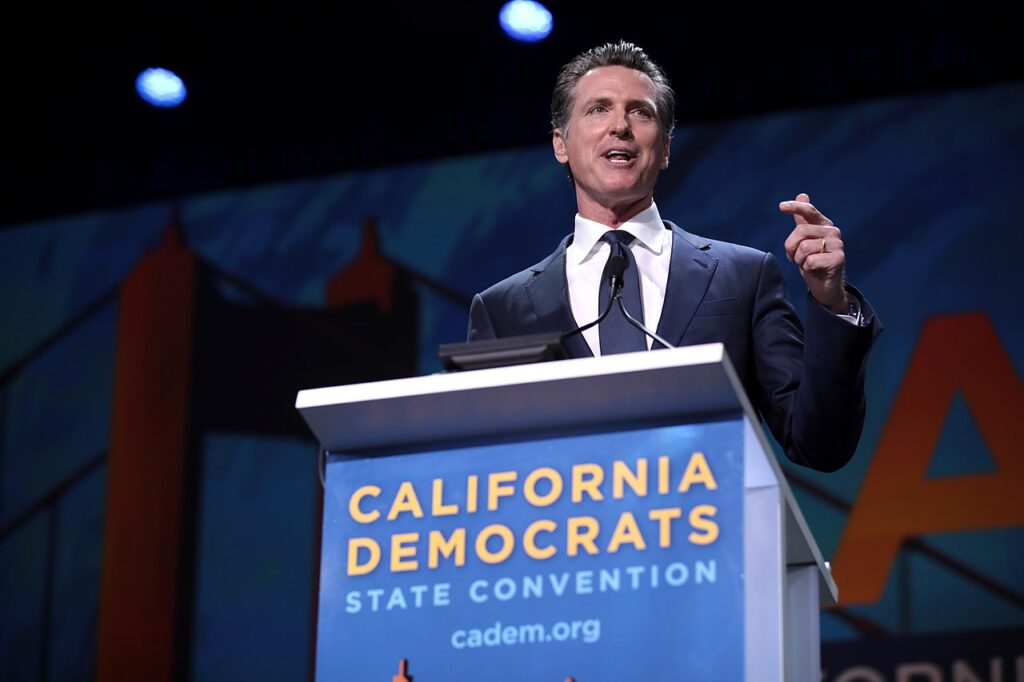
column 525, row 20
column 161, row 88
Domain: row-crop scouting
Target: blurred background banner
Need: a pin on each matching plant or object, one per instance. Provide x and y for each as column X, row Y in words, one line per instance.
column 153, row 340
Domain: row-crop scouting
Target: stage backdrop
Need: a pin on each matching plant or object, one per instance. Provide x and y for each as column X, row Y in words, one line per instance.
column 360, row 276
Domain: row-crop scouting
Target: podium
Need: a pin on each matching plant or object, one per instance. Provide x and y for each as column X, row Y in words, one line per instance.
column 613, row 518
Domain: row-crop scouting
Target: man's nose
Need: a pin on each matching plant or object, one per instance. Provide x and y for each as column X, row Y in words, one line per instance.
column 620, row 125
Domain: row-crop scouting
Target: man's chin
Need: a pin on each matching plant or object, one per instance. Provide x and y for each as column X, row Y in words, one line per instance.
column 623, row 196
column 615, row 192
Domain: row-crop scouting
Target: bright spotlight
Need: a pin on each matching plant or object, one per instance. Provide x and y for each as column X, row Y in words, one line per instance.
column 161, row 88
column 525, row 20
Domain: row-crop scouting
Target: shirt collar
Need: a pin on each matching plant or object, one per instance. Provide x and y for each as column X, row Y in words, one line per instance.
column 646, row 226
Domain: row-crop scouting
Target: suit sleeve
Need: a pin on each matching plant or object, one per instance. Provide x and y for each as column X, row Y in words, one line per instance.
column 480, row 326
column 810, row 380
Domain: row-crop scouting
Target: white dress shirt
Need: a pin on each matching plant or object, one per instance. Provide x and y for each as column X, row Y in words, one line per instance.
column 586, row 257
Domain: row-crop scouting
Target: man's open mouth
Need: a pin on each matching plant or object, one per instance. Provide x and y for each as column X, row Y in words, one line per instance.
column 619, row 156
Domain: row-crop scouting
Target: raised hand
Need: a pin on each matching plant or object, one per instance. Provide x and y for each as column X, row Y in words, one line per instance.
column 816, row 246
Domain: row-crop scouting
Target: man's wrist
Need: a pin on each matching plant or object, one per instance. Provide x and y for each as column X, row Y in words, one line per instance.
column 851, row 312
column 845, row 304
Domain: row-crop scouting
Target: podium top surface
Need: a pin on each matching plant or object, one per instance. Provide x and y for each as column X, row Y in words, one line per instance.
column 692, row 382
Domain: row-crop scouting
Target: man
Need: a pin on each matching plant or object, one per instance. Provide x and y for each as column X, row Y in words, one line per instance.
column 613, row 113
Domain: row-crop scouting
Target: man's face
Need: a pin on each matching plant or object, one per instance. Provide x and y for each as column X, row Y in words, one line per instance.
column 613, row 142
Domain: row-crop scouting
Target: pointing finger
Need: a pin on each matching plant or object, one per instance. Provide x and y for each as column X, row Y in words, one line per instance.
column 803, row 197
column 804, row 213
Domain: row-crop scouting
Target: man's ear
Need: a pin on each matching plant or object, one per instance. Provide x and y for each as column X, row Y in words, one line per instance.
column 558, row 144
column 666, row 150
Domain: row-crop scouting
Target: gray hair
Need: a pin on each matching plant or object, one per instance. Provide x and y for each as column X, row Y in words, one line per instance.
column 612, row 54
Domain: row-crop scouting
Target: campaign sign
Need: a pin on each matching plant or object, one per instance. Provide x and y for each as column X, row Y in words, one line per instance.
column 608, row 557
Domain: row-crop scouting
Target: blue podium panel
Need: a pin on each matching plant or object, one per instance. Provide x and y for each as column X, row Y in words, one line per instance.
column 605, row 557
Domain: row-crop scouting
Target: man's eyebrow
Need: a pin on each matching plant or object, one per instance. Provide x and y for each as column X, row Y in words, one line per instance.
column 646, row 104
column 606, row 100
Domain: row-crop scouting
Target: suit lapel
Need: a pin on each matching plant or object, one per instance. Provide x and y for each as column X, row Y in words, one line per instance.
column 548, row 293
column 689, row 275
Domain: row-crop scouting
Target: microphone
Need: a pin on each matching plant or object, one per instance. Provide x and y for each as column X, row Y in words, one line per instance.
column 614, row 269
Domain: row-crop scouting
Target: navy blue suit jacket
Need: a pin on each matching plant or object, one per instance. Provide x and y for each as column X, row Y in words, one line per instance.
column 808, row 385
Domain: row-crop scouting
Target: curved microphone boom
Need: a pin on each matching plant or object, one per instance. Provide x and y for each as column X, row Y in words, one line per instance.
column 639, row 325
column 614, row 269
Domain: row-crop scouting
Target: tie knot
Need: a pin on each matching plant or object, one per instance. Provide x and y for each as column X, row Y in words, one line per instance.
column 618, row 237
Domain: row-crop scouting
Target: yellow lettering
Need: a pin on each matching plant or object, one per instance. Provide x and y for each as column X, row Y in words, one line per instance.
column 405, row 501
column 586, row 478
column 400, row 551
column 700, row 519
column 437, row 506
column 357, row 514
column 622, row 474
column 439, row 546
column 581, row 531
column 697, row 471
column 370, row 545
column 508, row 543
column 530, row 542
column 626, row 531
column 530, row 487
column 497, row 488
column 664, row 518
column 472, row 493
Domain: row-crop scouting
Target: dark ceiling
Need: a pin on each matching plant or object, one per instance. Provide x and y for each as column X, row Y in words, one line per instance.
column 290, row 95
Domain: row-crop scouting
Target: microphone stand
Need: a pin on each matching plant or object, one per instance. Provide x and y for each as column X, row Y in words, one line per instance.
column 616, row 293
column 636, row 323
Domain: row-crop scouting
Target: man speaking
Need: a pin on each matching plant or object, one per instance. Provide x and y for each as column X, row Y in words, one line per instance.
column 613, row 113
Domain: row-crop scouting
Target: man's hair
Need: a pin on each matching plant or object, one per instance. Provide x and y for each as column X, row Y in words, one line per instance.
column 612, row 54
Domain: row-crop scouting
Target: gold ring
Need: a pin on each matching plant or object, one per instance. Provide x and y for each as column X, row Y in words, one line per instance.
column 822, row 246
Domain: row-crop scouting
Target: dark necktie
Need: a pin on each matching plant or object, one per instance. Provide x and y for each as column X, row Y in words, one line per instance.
column 616, row 333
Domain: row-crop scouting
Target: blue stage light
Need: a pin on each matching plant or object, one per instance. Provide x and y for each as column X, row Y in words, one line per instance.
column 525, row 20
column 161, row 88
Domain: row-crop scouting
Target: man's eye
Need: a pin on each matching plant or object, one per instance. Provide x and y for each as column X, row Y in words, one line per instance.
column 597, row 108
column 643, row 113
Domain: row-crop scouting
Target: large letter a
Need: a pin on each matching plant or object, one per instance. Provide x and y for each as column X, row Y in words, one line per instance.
column 897, row 500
